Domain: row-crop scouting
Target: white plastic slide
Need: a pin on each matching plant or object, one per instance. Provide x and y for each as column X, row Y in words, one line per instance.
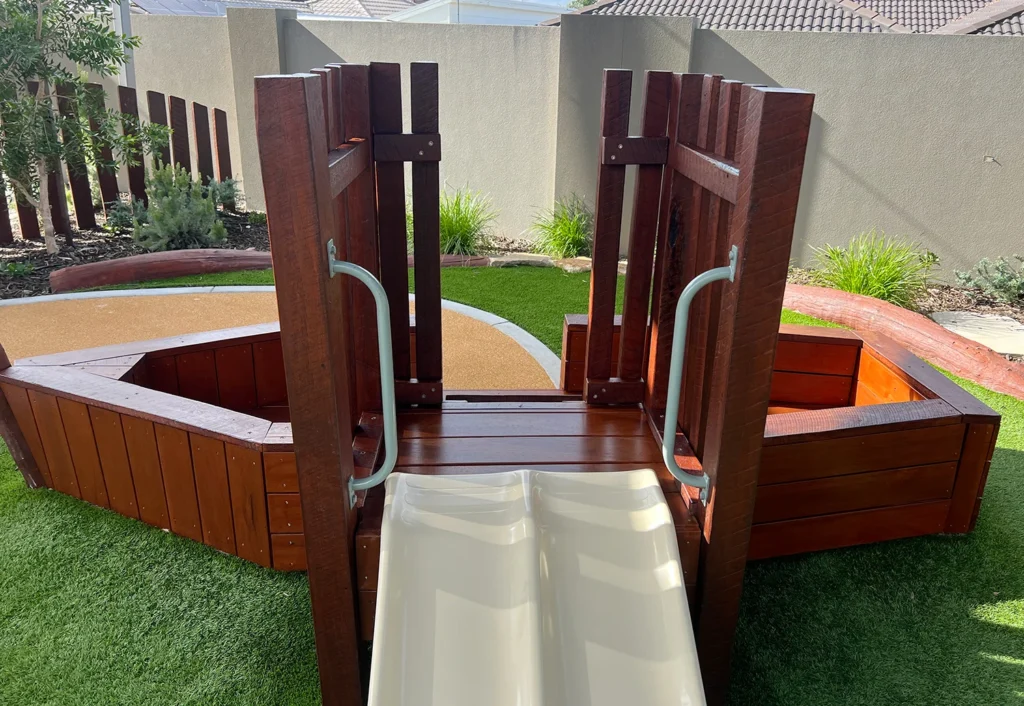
column 530, row 588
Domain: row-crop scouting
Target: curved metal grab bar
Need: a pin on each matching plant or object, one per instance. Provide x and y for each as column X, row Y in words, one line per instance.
column 387, row 371
column 675, row 372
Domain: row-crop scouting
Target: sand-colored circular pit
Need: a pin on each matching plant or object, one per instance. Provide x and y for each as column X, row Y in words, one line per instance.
column 475, row 355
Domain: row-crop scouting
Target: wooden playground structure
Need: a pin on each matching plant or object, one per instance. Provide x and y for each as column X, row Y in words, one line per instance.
column 246, row 439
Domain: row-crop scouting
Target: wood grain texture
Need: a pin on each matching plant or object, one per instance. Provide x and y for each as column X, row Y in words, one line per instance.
column 616, row 91
column 834, row 423
column 18, row 424
column 882, row 384
column 280, row 472
column 179, row 481
column 204, row 146
column 627, row 422
column 197, row 376
column 284, row 511
column 821, row 358
column 113, row 456
column 82, row 444
column 268, row 363
column 301, row 215
column 209, row 464
column 144, row 457
column 249, row 504
column 979, row 444
column 236, row 377
column 179, row 133
column 527, row 450
column 808, row 388
column 55, row 444
column 289, row 551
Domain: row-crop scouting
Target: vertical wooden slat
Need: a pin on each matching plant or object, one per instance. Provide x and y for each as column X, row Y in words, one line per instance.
column 236, row 377
column 6, row 231
column 611, row 182
column 55, row 443
column 301, row 215
column 386, row 117
column 179, row 134
column 268, row 364
column 179, row 481
column 977, row 451
column 774, row 125
column 158, row 116
column 702, row 248
column 636, row 302
column 248, row 504
column 354, row 95
column 28, row 221
column 58, row 205
column 22, row 423
column 211, row 474
column 136, row 172
column 328, row 89
column 113, row 454
column 162, row 374
column 104, row 156
column 204, row 149
column 669, row 265
column 78, row 177
column 82, row 444
column 220, row 130
column 197, row 376
column 144, row 459
column 426, row 227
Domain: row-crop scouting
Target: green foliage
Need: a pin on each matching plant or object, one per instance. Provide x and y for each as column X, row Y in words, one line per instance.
column 1001, row 280
column 46, row 43
column 182, row 215
column 877, row 266
column 466, row 219
column 580, row 4
column 567, row 230
column 19, row 269
column 256, row 218
column 224, row 193
column 122, row 215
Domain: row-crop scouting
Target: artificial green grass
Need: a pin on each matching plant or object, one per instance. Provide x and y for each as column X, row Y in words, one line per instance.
column 217, row 279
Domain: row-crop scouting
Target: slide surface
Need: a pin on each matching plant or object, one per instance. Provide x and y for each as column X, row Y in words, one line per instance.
column 530, row 588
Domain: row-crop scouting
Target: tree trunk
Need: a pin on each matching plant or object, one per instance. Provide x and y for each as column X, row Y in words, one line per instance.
column 44, row 209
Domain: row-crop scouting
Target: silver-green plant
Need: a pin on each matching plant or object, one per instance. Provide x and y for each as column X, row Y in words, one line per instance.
column 1002, row 280
column 182, row 214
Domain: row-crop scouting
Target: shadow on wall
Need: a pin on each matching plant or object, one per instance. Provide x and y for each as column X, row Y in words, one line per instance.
column 311, row 46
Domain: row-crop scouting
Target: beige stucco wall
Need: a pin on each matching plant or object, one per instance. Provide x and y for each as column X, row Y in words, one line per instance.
column 498, row 94
column 903, row 126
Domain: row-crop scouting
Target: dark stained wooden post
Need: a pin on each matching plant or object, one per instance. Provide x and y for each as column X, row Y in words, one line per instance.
column 179, row 134
column 774, row 124
column 13, row 437
column 204, row 149
column 78, row 178
column 28, row 220
column 58, row 206
column 103, row 156
column 302, row 218
column 158, row 116
column 6, row 231
column 136, row 172
column 426, row 227
column 220, row 129
column 611, row 181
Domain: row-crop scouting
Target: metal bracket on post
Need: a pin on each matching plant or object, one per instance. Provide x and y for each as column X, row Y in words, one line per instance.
column 387, row 371
column 675, row 372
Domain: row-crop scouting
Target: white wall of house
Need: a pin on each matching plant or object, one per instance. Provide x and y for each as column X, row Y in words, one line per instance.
column 482, row 12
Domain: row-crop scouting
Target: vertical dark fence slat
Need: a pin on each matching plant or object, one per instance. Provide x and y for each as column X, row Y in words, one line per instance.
column 703, row 235
column 204, row 150
column 6, row 231
column 136, row 172
column 220, row 129
column 78, row 177
column 337, row 124
column 28, row 220
column 354, row 121
column 636, row 302
column 611, row 182
column 106, row 177
column 426, row 227
column 670, row 263
column 58, row 205
column 329, row 86
column 386, row 117
column 158, row 116
column 179, row 134
column 720, row 215
column 774, row 124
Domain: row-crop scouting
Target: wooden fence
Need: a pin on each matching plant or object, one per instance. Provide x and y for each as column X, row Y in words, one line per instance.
column 213, row 157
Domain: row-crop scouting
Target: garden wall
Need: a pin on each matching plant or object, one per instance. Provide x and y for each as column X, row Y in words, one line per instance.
column 917, row 135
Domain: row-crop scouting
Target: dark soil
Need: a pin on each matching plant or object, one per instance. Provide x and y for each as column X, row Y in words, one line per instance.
column 25, row 266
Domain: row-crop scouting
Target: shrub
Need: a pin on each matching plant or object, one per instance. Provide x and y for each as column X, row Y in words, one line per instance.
column 122, row 215
column 256, row 218
column 224, row 193
column 1001, row 280
column 466, row 219
column 877, row 266
column 567, row 230
column 181, row 214
column 19, row 269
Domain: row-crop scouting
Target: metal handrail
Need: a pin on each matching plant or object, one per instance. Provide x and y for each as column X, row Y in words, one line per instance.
column 675, row 373
column 387, row 371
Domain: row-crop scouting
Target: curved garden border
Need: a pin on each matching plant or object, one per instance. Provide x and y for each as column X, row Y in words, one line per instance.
column 917, row 333
column 160, row 265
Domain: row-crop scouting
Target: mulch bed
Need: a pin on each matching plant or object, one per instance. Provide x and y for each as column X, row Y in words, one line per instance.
column 98, row 246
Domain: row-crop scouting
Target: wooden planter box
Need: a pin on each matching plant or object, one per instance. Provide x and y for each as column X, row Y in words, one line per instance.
column 864, row 442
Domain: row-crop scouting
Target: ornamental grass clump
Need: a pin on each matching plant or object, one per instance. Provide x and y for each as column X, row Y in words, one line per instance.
column 182, row 214
column 876, row 265
column 466, row 220
column 567, row 230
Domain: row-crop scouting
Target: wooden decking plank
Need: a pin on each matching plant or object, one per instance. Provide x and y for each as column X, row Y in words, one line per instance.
column 832, row 423
column 55, row 443
column 117, row 472
column 249, row 504
column 211, row 477
column 236, row 377
column 179, row 482
column 527, row 450
column 438, row 424
column 17, row 398
column 140, row 441
column 811, row 388
column 82, row 443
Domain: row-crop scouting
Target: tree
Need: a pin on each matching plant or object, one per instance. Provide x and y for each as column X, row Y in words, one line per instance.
column 46, row 44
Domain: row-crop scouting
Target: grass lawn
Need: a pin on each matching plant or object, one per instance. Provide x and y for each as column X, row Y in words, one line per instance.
column 96, row 608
